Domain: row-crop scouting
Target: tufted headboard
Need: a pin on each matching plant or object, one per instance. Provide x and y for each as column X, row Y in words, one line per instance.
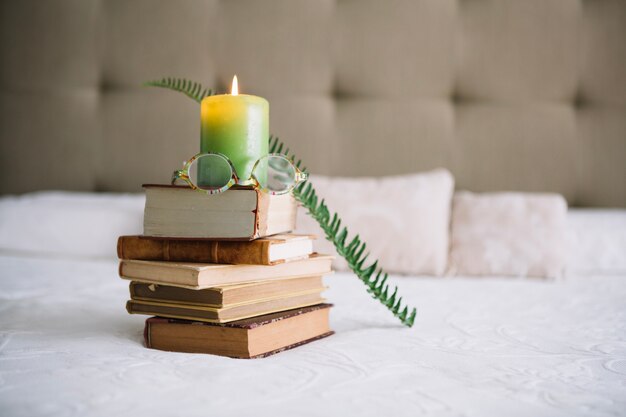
column 507, row 94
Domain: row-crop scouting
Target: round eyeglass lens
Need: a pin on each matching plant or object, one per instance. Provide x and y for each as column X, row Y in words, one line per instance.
column 210, row 172
column 275, row 173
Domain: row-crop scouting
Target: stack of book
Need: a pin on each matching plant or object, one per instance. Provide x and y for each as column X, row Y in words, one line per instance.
column 223, row 274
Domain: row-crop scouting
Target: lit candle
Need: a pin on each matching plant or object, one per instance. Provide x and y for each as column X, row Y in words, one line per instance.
column 236, row 125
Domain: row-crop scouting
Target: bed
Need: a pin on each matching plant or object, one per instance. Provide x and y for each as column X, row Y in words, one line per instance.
column 520, row 95
column 480, row 347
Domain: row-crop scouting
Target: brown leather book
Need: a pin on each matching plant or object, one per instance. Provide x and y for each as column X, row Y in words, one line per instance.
column 250, row 338
column 241, row 213
column 265, row 251
column 224, row 295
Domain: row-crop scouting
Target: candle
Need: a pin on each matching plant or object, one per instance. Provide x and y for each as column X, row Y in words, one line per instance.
column 236, row 125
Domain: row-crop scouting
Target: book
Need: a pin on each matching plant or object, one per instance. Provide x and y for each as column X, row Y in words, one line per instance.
column 202, row 275
column 250, row 338
column 265, row 251
column 225, row 295
column 240, row 213
column 228, row 313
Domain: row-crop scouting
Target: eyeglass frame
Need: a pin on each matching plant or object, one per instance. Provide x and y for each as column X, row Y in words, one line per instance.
column 183, row 174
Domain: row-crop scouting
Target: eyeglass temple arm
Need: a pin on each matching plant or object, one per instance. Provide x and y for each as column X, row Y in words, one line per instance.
column 178, row 174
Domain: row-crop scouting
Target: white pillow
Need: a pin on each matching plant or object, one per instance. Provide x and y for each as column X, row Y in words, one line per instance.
column 403, row 219
column 69, row 224
column 514, row 234
column 597, row 241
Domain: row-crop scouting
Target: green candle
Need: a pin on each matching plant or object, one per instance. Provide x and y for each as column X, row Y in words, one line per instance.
column 236, row 125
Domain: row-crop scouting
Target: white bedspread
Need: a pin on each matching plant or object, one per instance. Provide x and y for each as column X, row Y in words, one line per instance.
column 480, row 347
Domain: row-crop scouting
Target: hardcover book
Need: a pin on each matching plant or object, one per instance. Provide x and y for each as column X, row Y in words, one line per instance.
column 241, row 213
column 250, row 338
column 200, row 275
column 225, row 295
column 228, row 313
column 265, row 251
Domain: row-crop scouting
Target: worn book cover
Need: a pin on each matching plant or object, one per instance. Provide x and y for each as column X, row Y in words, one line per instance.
column 250, row 338
column 265, row 251
column 241, row 213
column 228, row 313
column 224, row 295
column 205, row 275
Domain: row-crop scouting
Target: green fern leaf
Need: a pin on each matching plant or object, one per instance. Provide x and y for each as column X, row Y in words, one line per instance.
column 191, row 89
column 353, row 251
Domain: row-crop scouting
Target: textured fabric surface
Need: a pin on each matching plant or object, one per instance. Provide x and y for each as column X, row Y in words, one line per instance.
column 404, row 219
column 514, row 234
column 526, row 95
column 479, row 348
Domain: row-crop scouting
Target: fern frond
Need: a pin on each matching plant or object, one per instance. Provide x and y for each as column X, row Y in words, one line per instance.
column 353, row 251
column 189, row 88
column 373, row 276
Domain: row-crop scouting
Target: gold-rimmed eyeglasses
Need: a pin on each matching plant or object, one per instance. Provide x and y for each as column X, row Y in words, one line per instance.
column 214, row 173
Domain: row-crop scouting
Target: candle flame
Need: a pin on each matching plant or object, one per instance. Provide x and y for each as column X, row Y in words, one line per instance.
column 235, row 88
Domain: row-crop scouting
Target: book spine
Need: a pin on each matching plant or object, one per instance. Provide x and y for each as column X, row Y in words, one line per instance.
column 219, row 252
column 257, row 214
column 120, row 247
column 146, row 334
column 147, row 330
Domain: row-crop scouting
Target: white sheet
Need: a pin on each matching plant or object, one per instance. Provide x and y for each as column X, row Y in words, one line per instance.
column 480, row 347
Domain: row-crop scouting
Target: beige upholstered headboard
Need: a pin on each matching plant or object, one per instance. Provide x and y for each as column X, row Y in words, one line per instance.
column 507, row 94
